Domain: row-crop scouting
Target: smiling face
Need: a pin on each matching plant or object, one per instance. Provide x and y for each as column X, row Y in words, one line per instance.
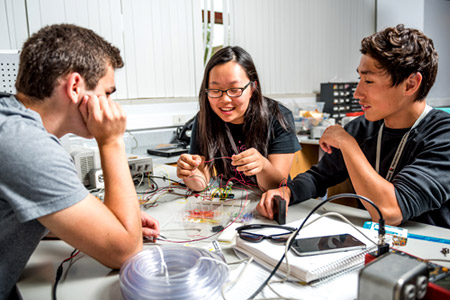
column 226, row 76
column 380, row 100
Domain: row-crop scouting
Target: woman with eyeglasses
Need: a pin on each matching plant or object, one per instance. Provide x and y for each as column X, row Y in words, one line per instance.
column 238, row 134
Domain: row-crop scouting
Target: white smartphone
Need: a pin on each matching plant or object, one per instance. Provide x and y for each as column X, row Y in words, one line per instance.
column 326, row 244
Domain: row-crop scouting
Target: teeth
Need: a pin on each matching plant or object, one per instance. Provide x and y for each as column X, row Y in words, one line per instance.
column 227, row 109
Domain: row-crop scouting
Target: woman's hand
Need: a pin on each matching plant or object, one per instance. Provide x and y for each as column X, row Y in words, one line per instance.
column 250, row 162
column 187, row 164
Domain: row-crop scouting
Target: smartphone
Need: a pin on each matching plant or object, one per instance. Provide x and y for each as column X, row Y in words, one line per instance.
column 326, row 244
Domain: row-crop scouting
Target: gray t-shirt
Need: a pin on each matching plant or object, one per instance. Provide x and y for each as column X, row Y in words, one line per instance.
column 37, row 178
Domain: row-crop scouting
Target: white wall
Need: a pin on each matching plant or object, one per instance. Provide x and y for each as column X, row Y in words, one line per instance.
column 13, row 24
column 433, row 18
column 297, row 45
column 437, row 26
column 160, row 40
column 407, row 12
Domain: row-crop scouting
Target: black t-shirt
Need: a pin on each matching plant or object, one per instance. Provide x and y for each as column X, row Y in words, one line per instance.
column 282, row 141
column 421, row 179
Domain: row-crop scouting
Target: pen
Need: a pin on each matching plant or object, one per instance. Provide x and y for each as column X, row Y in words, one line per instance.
column 428, row 238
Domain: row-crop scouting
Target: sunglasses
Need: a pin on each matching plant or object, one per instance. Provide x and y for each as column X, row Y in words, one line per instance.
column 278, row 238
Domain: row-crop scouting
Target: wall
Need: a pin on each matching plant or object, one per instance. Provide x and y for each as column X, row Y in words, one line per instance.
column 437, row 26
column 408, row 12
column 431, row 17
column 159, row 40
column 297, row 45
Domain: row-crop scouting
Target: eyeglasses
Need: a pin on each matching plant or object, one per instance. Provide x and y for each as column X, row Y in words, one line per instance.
column 232, row 92
column 278, row 238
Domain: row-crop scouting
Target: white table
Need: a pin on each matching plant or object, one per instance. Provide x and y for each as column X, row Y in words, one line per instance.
column 88, row 279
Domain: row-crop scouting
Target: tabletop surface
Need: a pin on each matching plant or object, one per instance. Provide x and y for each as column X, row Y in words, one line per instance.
column 88, row 279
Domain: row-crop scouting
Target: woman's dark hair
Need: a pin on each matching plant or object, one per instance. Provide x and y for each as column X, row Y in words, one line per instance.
column 401, row 52
column 57, row 50
column 213, row 141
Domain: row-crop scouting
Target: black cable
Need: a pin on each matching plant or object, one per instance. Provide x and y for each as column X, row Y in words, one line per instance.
column 381, row 231
column 59, row 271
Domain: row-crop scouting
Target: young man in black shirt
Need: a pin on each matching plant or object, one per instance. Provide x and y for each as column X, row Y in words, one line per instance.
column 398, row 153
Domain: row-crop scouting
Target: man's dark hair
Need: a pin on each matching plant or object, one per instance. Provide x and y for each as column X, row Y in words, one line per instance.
column 401, row 52
column 57, row 50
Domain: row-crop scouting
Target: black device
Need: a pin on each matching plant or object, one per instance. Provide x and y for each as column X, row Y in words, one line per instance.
column 182, row 135
column 326, row 244
column 168, row 150
column 279, row 209
column 179, row 143
column 338, row 99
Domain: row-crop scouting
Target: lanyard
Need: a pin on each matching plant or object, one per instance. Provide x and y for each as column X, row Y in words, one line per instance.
column 400, row 147
column 235, row 149
column 230, row 137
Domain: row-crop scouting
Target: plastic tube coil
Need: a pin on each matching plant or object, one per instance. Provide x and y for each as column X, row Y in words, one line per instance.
column 173, row 272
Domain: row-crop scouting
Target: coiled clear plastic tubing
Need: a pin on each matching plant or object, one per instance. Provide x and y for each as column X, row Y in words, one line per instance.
column 173, row 272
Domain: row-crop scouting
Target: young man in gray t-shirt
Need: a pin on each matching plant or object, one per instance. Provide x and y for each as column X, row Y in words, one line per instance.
column 64, row 84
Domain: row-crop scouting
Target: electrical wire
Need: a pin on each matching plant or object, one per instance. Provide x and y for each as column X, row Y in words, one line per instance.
column 229, row 284
column 135, row 140
column 59, row 271
column 242, row 206
column 381, row 233
column 173, row 272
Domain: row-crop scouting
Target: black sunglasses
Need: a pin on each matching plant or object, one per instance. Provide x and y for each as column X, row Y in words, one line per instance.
column 244, row 233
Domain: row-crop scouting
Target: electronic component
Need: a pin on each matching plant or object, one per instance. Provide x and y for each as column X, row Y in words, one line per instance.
column 9, row 60
column 338, row 98
column 223, row 197
column 140, row 164
column 438, row 276
column 85, row 160
column 168, row 151
column 96, row 179
column 393, row 276
column 279, row 209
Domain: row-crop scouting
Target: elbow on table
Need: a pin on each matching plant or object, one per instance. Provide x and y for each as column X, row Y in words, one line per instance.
column 119, row 254
column 392, row 217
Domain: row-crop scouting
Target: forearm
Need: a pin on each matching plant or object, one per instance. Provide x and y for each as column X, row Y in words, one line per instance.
column 120, row 194
column 367, row 182
column 271, row 177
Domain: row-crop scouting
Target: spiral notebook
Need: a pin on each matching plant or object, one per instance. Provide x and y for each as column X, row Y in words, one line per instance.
column 311, row 268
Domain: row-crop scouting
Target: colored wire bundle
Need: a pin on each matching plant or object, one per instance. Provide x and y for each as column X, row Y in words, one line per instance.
column 173, row 272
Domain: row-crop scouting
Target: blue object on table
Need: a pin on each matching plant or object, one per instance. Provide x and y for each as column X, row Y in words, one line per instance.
column 428, row 238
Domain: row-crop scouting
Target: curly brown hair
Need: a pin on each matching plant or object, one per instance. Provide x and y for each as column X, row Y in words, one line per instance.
column 401, row 52
column 57, row 50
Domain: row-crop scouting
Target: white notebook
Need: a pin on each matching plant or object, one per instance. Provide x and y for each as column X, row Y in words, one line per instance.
column 310, row 268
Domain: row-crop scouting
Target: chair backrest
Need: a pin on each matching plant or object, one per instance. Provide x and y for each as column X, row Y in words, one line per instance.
column 9, row 66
